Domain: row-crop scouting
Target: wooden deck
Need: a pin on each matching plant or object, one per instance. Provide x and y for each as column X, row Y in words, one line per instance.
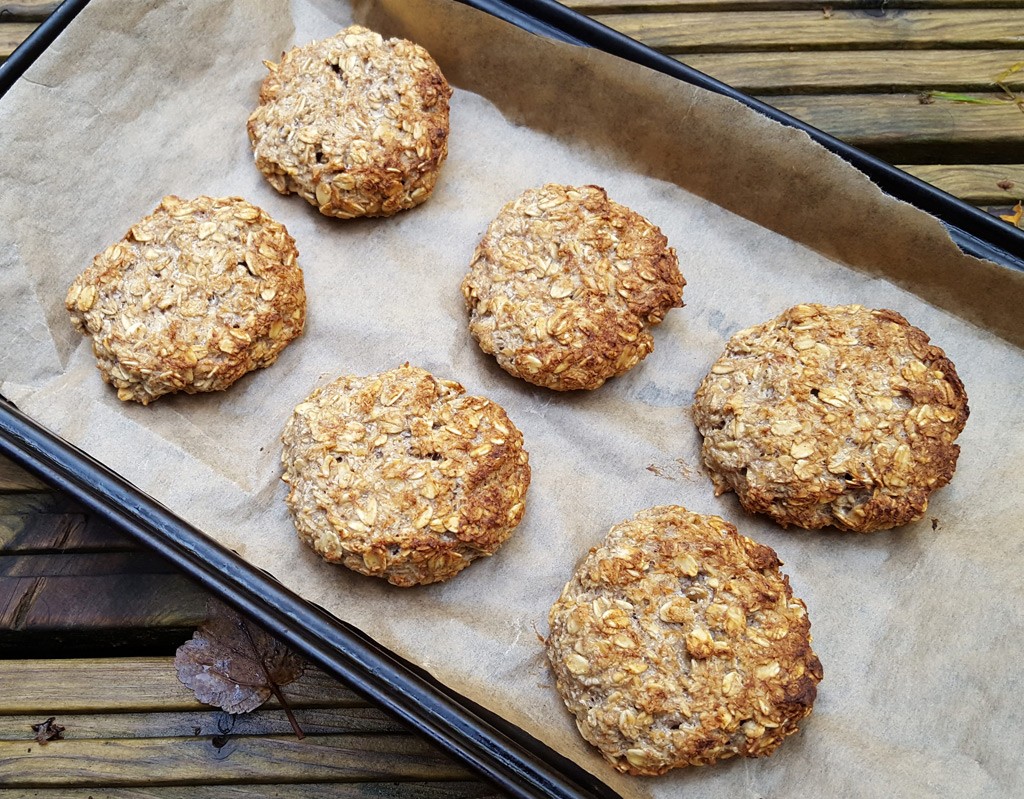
column 132, row 729
column 89, row 622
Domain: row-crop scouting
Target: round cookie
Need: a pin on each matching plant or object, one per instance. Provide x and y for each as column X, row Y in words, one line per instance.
column 403, row 476
column 564, row 285
column 838, row 416
column 678, row 642
column 355, row 124
column 194, row 296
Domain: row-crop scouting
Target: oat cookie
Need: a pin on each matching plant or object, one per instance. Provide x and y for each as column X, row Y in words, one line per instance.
column 194, row 296
column 403, row 476
column 679, row 643
column 838, row 416
column 564, row 285
column 355, row 124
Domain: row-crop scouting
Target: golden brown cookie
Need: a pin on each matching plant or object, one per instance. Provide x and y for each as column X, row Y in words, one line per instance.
column 564, row 285
column 355, row 124
column 194, row 296
column 403, row 476
column 838, row 416
column 678, row 642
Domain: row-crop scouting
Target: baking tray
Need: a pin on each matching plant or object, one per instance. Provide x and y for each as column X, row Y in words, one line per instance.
column 514, row 761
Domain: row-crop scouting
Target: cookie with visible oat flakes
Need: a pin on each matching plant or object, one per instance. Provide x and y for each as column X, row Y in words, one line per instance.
column 839, row 416
column 355, row 124
column 195, row 295
column 678, row 642
column 403, row 476
column 564, row 285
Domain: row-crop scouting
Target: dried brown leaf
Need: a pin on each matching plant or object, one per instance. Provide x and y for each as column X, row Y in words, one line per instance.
column 233, row 664
column 1016, row 217
column 47, row 731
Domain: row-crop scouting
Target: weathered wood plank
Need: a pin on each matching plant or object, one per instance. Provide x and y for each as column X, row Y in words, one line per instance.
column 25, row 504
column 329, row 790
column 87, row 564
column 14, row 478
column 16, row 597
column 110, row 602
column 42, row 519
column 27, row 10
column 859, row 71
column 981, row 184
column 184, row 761
column 98, row 685
column 593, row 7
column 782, row 30
column 312, row 721
column 30, row 532
column 899, row 128
column 70, row 584
column 12, row 34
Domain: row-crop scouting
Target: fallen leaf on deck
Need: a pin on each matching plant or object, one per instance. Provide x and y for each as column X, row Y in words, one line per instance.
column 48, row 731
column 1015, row 217
column 1003, row 76
column 235, row 665
column 957, row 97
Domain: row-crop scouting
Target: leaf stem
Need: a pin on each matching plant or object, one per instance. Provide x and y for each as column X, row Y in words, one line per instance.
column 279, row 694
column 274, row 687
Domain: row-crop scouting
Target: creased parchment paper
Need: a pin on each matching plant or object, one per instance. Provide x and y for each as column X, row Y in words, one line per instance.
column 919, row 629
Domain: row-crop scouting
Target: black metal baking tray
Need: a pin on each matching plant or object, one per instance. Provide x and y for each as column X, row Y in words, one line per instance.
column 514, row 761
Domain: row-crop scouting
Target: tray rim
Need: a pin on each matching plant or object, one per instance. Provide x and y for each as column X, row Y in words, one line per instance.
column 501, row 752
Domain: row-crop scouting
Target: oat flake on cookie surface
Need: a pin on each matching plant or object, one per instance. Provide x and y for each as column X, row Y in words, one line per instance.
column 839, row 416
column 355, row 124
column 678, row 642
column 564, row 285
column 403, row 476
column 194, row 296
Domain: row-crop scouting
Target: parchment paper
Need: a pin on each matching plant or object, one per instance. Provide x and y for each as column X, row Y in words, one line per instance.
column 918, row 629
